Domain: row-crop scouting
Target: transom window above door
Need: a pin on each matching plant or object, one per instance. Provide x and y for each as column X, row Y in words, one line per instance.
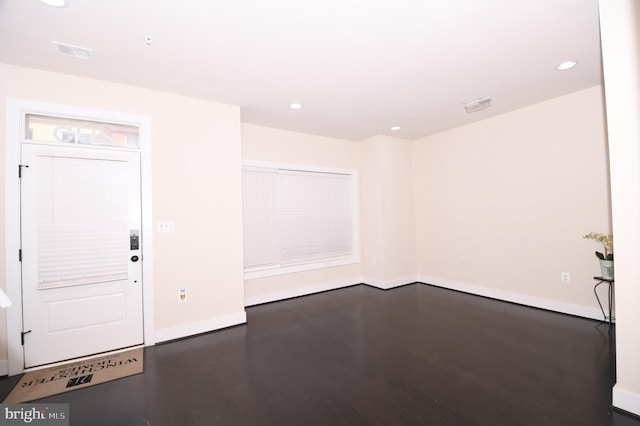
column 41, row 128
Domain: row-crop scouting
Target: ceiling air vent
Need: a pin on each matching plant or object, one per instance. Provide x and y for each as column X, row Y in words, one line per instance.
column 74, row 51
column 478, row 105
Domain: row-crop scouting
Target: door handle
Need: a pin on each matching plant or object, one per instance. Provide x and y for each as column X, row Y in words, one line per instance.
column 134, row 258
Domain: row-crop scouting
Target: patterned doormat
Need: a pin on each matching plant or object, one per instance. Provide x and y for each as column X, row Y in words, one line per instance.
column 64, row 378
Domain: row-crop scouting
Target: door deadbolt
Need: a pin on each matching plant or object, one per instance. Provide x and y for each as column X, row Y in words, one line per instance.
column 134, row 239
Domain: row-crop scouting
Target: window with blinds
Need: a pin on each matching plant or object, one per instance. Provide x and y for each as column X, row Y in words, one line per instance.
column 297, row 219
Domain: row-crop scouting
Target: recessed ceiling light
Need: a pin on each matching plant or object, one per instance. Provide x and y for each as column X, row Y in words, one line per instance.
column 395, row 128
column 55, row 3
column 566, row 65
column 295, row 106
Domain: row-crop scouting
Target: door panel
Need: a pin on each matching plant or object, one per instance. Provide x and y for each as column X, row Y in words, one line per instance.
column 82, row 293
column 87, row 312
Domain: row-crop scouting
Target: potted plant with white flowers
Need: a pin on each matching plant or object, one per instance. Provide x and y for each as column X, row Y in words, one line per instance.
column 606, row 257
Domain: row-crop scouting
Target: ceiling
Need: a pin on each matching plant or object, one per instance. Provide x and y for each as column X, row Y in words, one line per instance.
column 358, row 67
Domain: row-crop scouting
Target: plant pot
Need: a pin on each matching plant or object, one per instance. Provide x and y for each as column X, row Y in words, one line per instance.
column 606, row 266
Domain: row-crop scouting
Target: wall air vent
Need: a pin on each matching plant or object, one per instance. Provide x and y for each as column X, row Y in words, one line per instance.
column 478, row 104
column 73, row 51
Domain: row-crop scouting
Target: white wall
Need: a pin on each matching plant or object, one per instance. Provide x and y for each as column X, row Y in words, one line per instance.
column 371, row 214
column 197, row 182
column 387, row 212
column 387, row 231
column 620, row 24
column 502, row 204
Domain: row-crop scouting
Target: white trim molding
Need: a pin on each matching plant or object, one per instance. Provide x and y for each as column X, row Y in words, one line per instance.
column 191, row 329
column 521, row 299
column 299, row 291
column 626, row 400
column 386, row 285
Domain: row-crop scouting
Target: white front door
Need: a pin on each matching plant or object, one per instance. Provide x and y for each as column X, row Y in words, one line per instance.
column 81, row 252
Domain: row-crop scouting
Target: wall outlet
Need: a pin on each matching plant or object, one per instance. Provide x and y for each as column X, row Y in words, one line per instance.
column 167, row 226
column 565, row 277
column 182, row 295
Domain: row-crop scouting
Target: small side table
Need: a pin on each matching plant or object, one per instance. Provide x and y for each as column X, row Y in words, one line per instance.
column 609, row 281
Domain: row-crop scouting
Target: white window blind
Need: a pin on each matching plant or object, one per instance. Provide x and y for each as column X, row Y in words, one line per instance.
column 261, row 246
column 82, row 222
column 297, row 217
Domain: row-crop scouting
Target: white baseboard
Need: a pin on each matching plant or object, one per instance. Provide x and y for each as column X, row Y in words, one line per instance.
column 522, row 299
column 191, row 329
column 299, row 291
column 625, row 400
column 386, row 285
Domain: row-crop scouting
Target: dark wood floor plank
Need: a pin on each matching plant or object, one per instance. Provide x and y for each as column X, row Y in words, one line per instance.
column 415, row 355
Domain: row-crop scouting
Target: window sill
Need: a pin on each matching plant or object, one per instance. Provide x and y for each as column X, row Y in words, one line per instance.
column 290, row 269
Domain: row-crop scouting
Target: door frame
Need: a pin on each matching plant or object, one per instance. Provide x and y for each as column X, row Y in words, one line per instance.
column 15, row 122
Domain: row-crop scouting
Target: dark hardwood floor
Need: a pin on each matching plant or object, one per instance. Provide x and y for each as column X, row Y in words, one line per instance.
column 361, row 356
